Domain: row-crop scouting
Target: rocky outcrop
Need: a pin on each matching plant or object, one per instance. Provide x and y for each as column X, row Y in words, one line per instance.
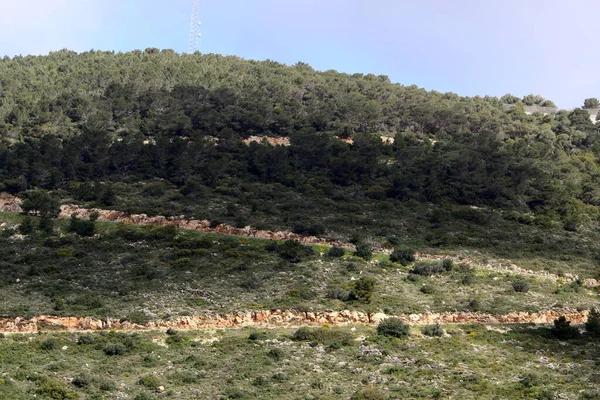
column 512, row 268
column 10, row 203
column 282, row 318
column 197, row 225
column 272, row 140
column 285, row 141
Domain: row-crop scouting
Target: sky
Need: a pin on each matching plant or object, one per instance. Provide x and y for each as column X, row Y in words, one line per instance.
column 469, row 47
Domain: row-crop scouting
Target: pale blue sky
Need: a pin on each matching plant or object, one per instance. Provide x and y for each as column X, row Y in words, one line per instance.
column 464, row 46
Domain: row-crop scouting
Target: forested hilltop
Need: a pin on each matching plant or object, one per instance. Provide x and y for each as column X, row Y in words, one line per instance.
column 157, row 132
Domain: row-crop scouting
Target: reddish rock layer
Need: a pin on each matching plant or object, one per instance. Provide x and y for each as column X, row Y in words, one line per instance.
column 281, row 318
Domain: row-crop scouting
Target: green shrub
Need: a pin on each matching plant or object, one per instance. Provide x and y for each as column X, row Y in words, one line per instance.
column 562, row 329
column 467, row 278
column 257, row 336
column 530, row 380
column 171, row 332
column 368, row 393
column 336, row 252
column 403, row 255
column 592, row 325
column 144, row 396
column 27, row 226
column 49, row 344
column 302, row 292
column 114, row 349
column 323, row 336
column 276, row 354
column 149, row 381
column 175, row 338
column 364, row 251
column 81, row 381
column 393, row 327
column 86, row 339
column 64, row 253
column 432, row 330
column 587, row 395
column 448, row 264
column 56, row 390
column 83, row 227
column 46, row 224
column 339, row 294
column 59, row 304
column 294, row 251
column 251, row 283
column 314, row 229
column 236, row 394
column 474, row 305
column 184, row 264
column 427, row 268
column 428, row 289
column 363, row 289
column 137, row 317
column 521, row 286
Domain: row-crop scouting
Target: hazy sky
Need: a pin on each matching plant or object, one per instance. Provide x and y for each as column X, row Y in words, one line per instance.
column 469, row 47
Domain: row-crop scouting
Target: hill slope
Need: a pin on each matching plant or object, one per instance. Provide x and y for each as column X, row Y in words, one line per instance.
column 159, row 133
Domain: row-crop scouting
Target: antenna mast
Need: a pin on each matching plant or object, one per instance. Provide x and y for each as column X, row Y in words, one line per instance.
column 194, row 28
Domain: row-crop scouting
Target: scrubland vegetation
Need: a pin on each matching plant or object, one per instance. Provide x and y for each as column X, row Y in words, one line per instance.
column 467, row 362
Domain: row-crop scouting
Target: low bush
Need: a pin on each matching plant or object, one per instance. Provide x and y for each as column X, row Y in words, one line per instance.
column 530, row 380
column 276, row 354
column 363, row 289
column 294, row 251
column 592, row 325
column 150, row 381
column 114, row 349
column 364, row 251
column 182, row 264
column 393, row 327
column 56, row 390
column 339, row 294
column 49, row 344
column 323, row 336
column 86, row 339
column 81, row 381
column 83, row 227
column 257, row 336
column 448, row 264
column 403, row 255
column 427, row 268
column 521, row 286
column 428, row 289
column 562, row 329
column 144, row 396
column 27, row 226
column 314, row 229
column 432, row 330
column 336, row 252
column 368, row 393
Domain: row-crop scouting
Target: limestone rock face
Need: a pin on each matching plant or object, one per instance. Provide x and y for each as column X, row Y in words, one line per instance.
column 272, row 140
column 10, row 203
column 282, row 318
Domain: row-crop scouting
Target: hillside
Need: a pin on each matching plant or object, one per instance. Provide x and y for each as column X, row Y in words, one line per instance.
column 159, row 133
column 171, row 225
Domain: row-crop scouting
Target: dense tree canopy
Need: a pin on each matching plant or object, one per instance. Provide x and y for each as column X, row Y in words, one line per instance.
column 69, row 118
